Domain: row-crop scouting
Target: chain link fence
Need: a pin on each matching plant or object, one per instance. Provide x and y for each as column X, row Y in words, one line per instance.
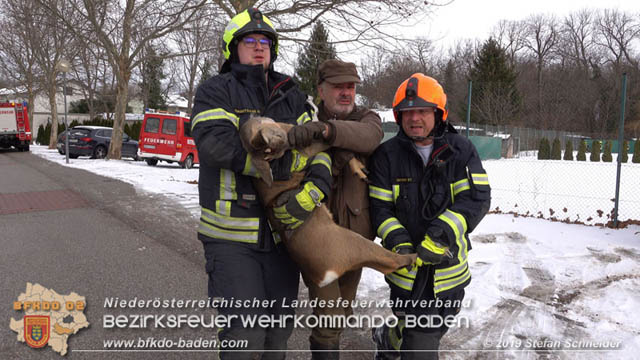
column 562, row 190
column 570, row 191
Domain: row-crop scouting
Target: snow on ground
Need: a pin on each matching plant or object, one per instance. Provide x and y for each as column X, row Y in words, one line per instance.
column 539, row 287
column 168, row 179
column 565, row 190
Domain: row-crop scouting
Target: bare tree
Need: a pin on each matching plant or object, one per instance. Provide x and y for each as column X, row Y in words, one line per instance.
column 572, row 83
column 496, row 105
column 112, row 24
column 462, row 54
column 421, row 51
column 359, row 23
column 577, row 38
column 124, row 29
column 511, row 35
column 56, row 43
column 617, row 31
column 196, row 43
column 17, row 49
column 372, row 65
column 541, row 39
column 91, row 70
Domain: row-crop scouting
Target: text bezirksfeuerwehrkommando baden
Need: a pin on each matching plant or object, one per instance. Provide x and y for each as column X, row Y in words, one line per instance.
column 211, row 321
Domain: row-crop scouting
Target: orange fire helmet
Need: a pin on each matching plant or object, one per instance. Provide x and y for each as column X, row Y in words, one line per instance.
column 420, row 91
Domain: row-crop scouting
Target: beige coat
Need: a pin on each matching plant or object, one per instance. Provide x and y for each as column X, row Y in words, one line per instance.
column 358, row 135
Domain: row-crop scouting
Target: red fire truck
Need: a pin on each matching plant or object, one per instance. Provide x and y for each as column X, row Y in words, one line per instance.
column 167, row 137
column 14, row 126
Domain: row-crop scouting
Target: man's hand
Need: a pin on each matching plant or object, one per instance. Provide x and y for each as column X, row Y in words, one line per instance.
column 303, row 135
column 293, row 207
column 432, row 252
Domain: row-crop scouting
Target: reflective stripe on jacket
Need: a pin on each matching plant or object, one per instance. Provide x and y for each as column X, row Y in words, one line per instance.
column 231, row 209
column 445, row 199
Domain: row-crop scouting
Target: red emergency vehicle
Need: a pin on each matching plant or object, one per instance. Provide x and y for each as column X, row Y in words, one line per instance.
column 167, row 137
column 14, row 126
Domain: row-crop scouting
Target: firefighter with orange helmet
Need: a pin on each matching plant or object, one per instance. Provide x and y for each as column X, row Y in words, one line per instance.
column 428, row 191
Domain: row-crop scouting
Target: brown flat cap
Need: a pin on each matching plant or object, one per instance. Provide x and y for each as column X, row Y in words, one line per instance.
column 337, row 72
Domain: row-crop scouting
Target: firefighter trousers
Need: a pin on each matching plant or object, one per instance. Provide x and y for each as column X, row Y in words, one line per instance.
column 419, row 342
column 342, row 289
column 263, row 280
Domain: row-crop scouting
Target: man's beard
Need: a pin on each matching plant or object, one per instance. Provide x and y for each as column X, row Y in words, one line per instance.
column 343, row 110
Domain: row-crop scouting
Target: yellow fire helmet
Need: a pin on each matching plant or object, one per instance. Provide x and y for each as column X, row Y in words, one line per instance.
column 248, row 22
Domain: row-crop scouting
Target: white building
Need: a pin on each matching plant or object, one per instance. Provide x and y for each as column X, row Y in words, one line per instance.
column 42, row 108
column 177, row 102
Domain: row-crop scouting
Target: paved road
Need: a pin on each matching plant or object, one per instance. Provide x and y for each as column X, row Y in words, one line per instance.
column 102, row 238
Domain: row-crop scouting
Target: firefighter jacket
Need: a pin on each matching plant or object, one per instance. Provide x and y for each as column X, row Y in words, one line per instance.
column 231, row 209
column 445, row 199
column 357, row 136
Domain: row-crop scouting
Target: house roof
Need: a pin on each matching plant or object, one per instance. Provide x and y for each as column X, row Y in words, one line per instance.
column 176, row 100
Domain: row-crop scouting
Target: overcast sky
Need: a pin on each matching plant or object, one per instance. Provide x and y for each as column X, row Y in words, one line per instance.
column 472, row 19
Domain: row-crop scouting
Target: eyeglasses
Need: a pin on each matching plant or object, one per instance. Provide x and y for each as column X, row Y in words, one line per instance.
column 251, row 42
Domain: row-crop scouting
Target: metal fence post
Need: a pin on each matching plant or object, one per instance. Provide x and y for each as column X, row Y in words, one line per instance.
column 620, row 140
column 468, row 108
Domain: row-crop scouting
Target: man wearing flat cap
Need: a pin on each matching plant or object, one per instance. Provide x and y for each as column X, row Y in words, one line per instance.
column 352, row 132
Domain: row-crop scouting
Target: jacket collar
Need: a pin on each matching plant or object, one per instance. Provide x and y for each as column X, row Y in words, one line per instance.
column 439, row 144
column 253, row 75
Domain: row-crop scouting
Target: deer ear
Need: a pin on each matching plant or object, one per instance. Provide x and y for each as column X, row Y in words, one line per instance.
column 264, row 170
column 264, row 137
column 258, row 141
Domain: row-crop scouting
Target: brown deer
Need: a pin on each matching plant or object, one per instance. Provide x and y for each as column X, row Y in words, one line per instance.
column 323, row 250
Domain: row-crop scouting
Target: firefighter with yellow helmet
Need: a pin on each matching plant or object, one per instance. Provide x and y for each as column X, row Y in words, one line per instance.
column 428, row 191
column 244, row 261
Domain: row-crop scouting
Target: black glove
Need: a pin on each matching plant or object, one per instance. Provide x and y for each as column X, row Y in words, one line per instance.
column 432, row 249
column 293, row 207
column 303, row 135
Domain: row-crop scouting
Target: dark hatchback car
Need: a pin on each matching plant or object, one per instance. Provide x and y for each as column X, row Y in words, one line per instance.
column 60, row 142
column 94, row 141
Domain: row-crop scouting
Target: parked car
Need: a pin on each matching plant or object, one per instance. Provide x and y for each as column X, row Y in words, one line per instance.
column 94, row 141
column 167, row 137
column 61, row 140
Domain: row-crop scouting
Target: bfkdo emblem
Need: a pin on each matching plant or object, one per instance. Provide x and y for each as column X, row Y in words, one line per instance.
column 36, row 330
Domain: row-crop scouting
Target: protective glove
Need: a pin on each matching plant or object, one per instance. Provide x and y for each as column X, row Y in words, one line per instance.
column 431, row 252
column 303, row 135
column 292, row 161
column 293, row 207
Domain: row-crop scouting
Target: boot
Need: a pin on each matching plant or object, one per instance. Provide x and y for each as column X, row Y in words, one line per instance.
column 384, row 349
column 324, row 351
